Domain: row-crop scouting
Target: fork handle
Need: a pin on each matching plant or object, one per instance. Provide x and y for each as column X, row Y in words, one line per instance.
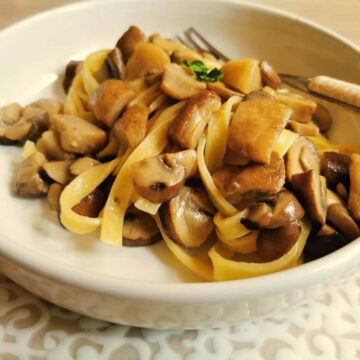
column 337, row 89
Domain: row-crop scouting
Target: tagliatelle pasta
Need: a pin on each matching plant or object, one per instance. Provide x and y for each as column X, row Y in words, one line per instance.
column 157, row 141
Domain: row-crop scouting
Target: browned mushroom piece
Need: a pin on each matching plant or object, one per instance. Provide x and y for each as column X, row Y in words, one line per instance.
column 39, row 121
column 17, row 132
column 91, row 205
column 312, row 188
column 140, row 229
column 109, row 100
column 222, row 90
column 130, row 129
column 186, row 158
column 354, row 194
column 116, row 65
column 59, row 171
column 232, row 158
column 259, row 95
column 302, row 156
column 130, row 40
column 322, row 118
column 342, row 191
column 242, row 185
column 268, row 75
column 82, row 164
column 179, row 84
column 188, row 127
column 333, row 198
column 70, row 72
column 271, row 244
column 283, row 211
column 166, row 44
column 157, row 180
column 49, row 145
column 324, row 242
column 27, row 181
column 309, row 129
column 53, row 195
column 78, row 135
column 52, row 106
column 9, row 116
column 185, row 221
column 255, row 128
column 302, row 108
column 335, row 168
column 342, row 220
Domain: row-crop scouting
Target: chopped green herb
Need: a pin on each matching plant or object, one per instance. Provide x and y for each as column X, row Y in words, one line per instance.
column 201, row 71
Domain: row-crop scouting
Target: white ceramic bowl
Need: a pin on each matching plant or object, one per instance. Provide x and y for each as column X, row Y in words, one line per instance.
column 147, row 286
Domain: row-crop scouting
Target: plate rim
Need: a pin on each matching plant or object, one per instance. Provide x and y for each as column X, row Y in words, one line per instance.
column 305, row 275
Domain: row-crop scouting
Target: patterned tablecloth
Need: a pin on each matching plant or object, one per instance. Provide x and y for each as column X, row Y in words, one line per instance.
column 328, row 328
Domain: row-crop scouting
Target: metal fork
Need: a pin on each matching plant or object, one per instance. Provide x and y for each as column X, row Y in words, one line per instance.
column 324, row 87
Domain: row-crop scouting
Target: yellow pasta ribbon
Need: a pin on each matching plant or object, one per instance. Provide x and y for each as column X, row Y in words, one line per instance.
column 199, row 265
column 146, row 205
column 215, row 195
column 74, row 192
column 227, row 269
column 286, row 139
column 244, row 245
column 228, row 228
column 121, row 192
column 217, row 134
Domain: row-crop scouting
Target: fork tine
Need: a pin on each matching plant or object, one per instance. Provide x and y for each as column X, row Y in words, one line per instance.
column 210, row 48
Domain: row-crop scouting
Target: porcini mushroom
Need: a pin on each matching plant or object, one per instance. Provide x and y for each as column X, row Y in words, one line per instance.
column 53, row 195
column 49, row 145
column 91, row 205
column 70, row 72
column 188, row 127
column 130, row 40
column 28, row 182
column 255, row 127
column 335, row 168
column 354, row 194
column 9, row 116
column 157, row 180
column 186, row 158
column 82, row 164
column 185, row 221
column 59, row 171
column 116, row 65
column 110, row 99
column 268, row 75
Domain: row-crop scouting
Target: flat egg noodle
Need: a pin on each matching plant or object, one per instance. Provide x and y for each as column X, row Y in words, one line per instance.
column 122, row 189
column 227, row 269
column 285, row 140
column 244, row 245
column 229, row 228
column 75, row 191
column 217, row 134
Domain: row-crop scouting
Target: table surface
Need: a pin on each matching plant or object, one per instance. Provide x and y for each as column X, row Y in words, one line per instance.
column 328, row 328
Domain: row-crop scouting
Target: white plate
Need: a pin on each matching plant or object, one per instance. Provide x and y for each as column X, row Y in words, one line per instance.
column 148, row 286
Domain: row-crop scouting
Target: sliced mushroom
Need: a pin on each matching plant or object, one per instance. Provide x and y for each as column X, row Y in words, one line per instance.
column 168, row 45
column 259, row 95
column 188, row 127
column 130, row 40
column 53, row 107
column 354, row 194
column 274, row 243
column 28, row 182
column 232, row 158
column 9, row 116
column 59, row 171
column 49, row 144
column 179, row 84
column 146, row 58
column 342, row 191
column 140, row 230
column 302, row 108
column 53, row 196
column 324, row 242
column 82, row 164
column 91, row 205
column 255, row 127
column 335, row 168
column 156, row 180
column 185, row 221
column 222, row 90
column 322, row 118
column 284, row 211
column 70, row 72
column 333, row 198
column 39, row 120
column 302, row 156
column 110, row 99
column 242, row 185
column 309, row 129
column 269, row 75
column 312, row 188
column 186, row 158
column 116, row 65
column 17, row 132
column 78, row 135
column 341, row 219
column 130, row 129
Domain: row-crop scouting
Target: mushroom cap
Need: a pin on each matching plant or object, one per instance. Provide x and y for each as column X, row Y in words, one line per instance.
column 335, row 168
column 130, row 40
column 268, row 75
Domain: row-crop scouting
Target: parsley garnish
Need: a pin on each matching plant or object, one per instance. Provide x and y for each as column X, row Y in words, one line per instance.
column 201, row 71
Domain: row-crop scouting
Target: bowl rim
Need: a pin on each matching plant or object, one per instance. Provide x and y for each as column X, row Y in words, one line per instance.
column 305, row 275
